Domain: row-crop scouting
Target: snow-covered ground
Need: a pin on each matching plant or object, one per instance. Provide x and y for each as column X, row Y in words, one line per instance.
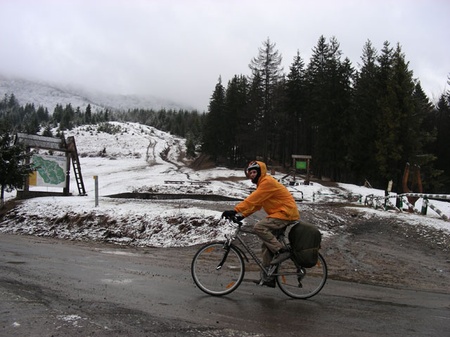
column 140, row 158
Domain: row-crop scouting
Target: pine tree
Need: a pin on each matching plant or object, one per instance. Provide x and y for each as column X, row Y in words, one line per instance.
column 329, row 95
column 364, row 108
column 254, row 136
column 267, row 72
column 236, row 116
column 42, row 114
column 215, row 133
column 399, row 138
column 281, row 149
column 441, row 144
column 10, row 111
column 47, row 131
column 13, row 165
column 190, row 146
column 387, row 151
column 426, row 135
column 298, row 125
column 67, row 118
column 57, row 114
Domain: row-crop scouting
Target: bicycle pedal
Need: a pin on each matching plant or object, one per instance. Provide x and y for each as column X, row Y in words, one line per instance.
column 271, row 270
column 270, row 284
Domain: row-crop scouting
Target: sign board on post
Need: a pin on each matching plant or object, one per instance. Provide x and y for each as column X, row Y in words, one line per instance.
column 300, row 165
column 302, row 162
column 50, row 170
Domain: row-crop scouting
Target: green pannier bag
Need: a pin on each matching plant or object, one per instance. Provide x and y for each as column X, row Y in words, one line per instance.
column 305, row 243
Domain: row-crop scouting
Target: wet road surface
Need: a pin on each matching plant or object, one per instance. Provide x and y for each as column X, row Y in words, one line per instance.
column 52, row 287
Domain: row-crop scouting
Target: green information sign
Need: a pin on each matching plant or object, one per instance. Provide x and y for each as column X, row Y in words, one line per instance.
column 300, row 165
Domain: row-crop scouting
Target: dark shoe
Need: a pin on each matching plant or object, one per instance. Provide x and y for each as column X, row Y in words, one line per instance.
column 280, row 256
column 267, row 283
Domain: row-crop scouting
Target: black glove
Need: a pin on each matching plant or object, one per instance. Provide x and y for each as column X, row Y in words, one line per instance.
column 229, row 214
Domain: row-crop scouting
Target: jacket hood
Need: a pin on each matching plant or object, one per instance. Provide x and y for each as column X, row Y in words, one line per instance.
column 263, row 169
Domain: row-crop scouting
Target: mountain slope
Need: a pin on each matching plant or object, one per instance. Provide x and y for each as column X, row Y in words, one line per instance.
column 49, row 95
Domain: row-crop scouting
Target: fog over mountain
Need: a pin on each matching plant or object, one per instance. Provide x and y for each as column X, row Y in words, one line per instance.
column 49, row 95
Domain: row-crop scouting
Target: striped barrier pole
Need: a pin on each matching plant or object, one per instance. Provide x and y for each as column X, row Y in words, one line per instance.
column 393, row 206
column 438, row 211
column 429, row 196
column 411, row 206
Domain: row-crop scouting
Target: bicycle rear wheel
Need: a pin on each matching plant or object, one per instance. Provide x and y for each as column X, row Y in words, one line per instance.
column 217, row 269
column 302, row 282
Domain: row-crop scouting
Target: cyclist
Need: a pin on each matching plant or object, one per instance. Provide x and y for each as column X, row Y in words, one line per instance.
column 281, row 210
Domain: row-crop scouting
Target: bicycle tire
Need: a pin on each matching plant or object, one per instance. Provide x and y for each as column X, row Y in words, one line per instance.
column 213, row 280
column 302, row 283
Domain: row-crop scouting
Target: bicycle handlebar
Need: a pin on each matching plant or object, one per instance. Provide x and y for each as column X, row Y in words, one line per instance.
column 237, row 219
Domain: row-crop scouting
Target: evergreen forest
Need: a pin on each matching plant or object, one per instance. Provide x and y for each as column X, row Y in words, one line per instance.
column 359, row 124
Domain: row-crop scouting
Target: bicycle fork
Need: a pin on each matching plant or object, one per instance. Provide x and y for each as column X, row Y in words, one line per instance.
column 226, row 248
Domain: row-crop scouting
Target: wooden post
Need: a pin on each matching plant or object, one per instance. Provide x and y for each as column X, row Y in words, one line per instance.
column 96, row 190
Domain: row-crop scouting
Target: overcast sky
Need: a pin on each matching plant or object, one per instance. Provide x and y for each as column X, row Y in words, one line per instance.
column 177, row 49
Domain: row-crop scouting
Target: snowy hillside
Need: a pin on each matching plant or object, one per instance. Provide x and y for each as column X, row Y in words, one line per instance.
column 49, row 95
column 138, row 158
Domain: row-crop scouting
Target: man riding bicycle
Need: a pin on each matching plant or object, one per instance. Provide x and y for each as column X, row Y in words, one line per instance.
column 281, row 210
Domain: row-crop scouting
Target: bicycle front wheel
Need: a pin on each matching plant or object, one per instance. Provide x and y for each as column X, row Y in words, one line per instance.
column 302, row 283
column 218, row 269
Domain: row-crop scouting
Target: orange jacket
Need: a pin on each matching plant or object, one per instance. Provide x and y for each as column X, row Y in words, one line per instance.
column 272, row 196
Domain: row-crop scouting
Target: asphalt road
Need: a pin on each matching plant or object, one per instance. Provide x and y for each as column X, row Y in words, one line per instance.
column 51, row 287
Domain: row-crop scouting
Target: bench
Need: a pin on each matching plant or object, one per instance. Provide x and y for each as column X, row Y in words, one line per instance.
column 200, row 182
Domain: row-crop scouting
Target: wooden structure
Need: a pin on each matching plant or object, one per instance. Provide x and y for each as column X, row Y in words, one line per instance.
column 302, row 162
column 416, row 182
column 53, row 144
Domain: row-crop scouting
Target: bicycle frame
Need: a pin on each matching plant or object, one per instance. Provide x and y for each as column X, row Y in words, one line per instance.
column 267, row 271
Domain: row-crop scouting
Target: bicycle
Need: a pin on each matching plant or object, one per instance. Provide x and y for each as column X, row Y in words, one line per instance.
column 218, row 268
